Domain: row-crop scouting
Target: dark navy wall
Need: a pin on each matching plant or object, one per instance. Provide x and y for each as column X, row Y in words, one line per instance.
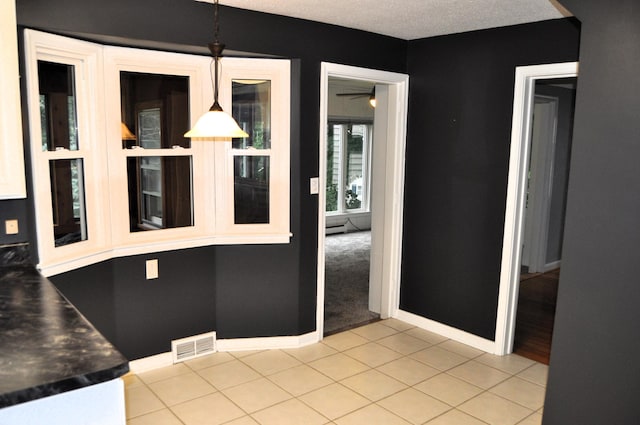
column 240, row 291
column 594, row 375
column 459, row 134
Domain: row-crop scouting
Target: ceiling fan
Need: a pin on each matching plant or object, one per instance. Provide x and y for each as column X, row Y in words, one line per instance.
column 371, row 95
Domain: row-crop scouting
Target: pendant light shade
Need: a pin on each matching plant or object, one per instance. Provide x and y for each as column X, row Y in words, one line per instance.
column 216, row 124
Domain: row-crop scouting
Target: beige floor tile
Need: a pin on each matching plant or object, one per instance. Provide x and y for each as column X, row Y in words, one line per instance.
column 208, row 361
column 291, row 412
column 373, row 385
column 130, row 380
column 455, row 417
column 462, row 349
column 371, row 415
column 374, row 331
column 160, row 417
column 271, row 361
column 229, row 374
column 511, row 363
column 344, row 340
column 300, row 380
column 430, row 337
column 245, row 420
column 311, row 352
column 403, row 343
column 535, row 419
column 256, row 395
column 164, row 373
column 522, row 392
column 439, row 358
column 495, row 410
column 373, row 354
column 212, row 409
column 414, row 406
column 334, row 401
column 398, row 325
column 478, row 374
column 141, row 400
column 338, row 366
column 449, row 389
column 408, row 371
column 181, row 388
column 537, row 374
column 244, row 353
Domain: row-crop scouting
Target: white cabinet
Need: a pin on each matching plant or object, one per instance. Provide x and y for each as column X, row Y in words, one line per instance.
column 12, row 177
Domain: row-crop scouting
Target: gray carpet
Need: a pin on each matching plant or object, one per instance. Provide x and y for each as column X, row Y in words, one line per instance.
column 347, row 281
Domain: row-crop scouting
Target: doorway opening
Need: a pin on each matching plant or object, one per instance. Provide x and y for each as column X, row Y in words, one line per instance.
column 551, row 137
column 348, row 204
column 521, row 202
column 360, row 159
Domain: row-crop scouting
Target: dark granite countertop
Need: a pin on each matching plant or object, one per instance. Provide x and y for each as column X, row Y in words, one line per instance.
column 46, row 346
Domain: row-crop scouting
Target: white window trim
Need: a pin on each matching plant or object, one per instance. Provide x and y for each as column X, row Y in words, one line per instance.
column 87, row 61
column 278, row 72
column 119, row 59
column 98, row 103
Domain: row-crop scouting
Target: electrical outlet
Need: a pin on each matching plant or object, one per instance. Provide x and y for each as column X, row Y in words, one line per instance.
column 11, row 227
column 152, row 269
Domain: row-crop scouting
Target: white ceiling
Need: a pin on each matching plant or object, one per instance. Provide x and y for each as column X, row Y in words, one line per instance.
column 410, row 19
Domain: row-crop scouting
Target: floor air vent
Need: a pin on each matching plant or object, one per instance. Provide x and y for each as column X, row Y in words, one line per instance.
column 192, row 347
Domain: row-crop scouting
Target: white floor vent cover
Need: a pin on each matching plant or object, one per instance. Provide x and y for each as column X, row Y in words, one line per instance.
column 192, row 347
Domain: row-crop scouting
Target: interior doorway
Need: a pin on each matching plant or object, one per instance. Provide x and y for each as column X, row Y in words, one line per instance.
column 545, row 204
column 518, row 192
column 387, row 176
column 348, row 206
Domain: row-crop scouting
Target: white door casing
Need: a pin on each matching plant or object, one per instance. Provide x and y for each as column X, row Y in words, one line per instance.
column 388, row 161
column 525, row 79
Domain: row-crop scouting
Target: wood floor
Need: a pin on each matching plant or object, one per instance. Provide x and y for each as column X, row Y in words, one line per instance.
column 535, row 315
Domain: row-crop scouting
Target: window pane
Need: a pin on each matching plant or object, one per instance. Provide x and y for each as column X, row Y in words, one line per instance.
column 155, row 110
column 67, row 201
column 333, row 166
column 355, row 166
column 251, row 189
column 159, row 192
column 56, row 83
column 252, row 111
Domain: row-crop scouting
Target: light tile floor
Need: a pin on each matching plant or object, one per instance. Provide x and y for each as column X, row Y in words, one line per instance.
column 384, row 373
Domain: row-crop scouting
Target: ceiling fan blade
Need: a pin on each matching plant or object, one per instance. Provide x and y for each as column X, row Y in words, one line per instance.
column 354, row 94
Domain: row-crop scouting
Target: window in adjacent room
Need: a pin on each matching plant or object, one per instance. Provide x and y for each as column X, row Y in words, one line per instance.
column 348, row 161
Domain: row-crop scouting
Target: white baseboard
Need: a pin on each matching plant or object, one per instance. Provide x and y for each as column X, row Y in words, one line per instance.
column 551, row 266
column 447, row 331
column 157, row 361
column 146, row 364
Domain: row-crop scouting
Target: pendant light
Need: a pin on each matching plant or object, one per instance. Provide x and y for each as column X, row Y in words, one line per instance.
column 216, row 124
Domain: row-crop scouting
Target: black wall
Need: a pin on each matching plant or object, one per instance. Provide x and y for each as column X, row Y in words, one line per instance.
column 459, row 135
column 14, row 209
column 594, row 375
column 240, row 291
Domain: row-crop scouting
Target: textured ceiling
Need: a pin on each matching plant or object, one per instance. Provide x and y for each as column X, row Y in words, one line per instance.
column 410, row 19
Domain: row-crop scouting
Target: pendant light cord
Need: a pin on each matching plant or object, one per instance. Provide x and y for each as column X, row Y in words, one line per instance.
column 216, row 50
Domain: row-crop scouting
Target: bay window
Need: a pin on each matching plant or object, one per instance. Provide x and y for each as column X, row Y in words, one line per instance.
column 114, row 174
